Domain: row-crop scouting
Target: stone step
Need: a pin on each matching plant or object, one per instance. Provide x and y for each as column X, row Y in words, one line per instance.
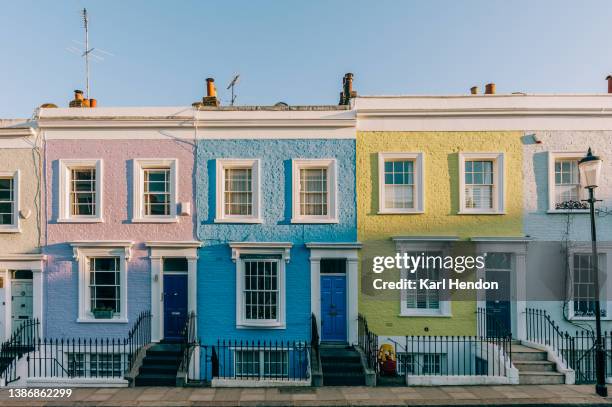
column 343, row 379
column 524, row 353
column 541, row 378
column 158, row 369
column 155, row 380
column 342, row 367
column 535, row 366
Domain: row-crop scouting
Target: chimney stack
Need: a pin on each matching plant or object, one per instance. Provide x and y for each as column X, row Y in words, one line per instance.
column 474, row 90
column 211, row 95
column 490, row 89
column 347, row 89
column 79, row 101
column 609, row 79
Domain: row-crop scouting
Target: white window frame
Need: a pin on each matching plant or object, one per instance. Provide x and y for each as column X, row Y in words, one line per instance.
column 271, row 249
column 419, row 185
column 82, row 253
column 553, row 156
column 499, row 187
column 261, row 363
column 604, row 257
column 66, row 166
column 444, row 309
column 221, row 166
column 138, row 212
column 15, row 226
column 332, row 190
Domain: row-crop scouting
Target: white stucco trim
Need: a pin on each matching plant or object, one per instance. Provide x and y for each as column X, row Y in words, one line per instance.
column 81, row 252
column 158, row 251
column 419, row 182
column 15, row 226
column 518, row 291
column 35, row 263
column 221, row 165
column 65, row 165
column 138, row 167
column 499, row 187
column 350, row 252
column 332, row 190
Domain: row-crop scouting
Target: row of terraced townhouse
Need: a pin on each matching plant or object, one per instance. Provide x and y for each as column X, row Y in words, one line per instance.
column 234, row 245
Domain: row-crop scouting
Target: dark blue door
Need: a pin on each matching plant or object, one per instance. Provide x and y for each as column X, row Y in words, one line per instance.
column 175, row 305
column 333, row 308
column 499, row 321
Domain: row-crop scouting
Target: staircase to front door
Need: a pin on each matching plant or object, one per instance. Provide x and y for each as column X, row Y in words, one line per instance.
column 533, row 366
column 341, row 365
column 160, row 365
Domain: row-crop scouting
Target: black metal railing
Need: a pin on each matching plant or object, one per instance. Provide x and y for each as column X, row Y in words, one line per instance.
column 315, row 342
column 576, row 349
column 368, row 342
column 455, row 356
column 489, row 325
column 258, row 360
column 542, row 329
column 21, row 341
column 188, row 344
column 87, row 357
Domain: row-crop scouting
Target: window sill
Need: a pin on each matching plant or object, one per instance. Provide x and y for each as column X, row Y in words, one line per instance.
column 10, row 230
column 480, row 213
column 396, row 212
column 313, row 221
column 426, row 315
column 254, row 325
column 80, row 220
column 238, row 220
column 566, row 211
column 88, row 320
column 173, row 219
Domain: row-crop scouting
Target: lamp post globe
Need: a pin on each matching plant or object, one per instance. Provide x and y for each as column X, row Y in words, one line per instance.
column 590, row 170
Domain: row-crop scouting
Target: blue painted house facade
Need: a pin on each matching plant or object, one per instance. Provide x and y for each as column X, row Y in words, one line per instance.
column 275, row 199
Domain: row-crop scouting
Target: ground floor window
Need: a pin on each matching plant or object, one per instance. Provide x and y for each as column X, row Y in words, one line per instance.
column 420, row 363
column 95, row 364
column 262, row 363
column 585, row 293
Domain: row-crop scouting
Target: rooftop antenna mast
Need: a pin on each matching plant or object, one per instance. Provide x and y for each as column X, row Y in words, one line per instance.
column 231, row 86
column 87, row 51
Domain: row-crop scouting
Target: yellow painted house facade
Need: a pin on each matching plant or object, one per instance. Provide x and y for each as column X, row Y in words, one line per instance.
column 436, row 210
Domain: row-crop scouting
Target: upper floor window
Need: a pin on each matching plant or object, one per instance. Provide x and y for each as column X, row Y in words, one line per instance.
column 155, row 190
column 565, row 192
column 314, row 191
column 238, row 191
column 400, row 182
column 9, row 204
column 80, row 191
column 481, row 183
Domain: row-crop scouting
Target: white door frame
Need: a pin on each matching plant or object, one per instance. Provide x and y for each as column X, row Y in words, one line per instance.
column 350, row 252
column 159, row 251
column 517, row 246
column 35, row 263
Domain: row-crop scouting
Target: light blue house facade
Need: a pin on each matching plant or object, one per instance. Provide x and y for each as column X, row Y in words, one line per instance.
column 275, row 198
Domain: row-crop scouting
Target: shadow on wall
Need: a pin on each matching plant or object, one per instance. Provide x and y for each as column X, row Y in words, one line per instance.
column 55, row 191
column 129, row 185
column 375, row 187
column 288, row 204
column 540, row 169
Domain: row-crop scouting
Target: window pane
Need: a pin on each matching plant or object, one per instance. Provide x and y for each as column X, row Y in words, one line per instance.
column 399, row 185
column 313, row 192
column 157, row 197
column 83, row 192
column 585, row 292
column 104, row 284
column 238, row 195
column 567, row 182
column 424, row 298
column 260, row 290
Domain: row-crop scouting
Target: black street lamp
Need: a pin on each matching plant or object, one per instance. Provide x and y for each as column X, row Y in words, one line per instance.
column 590, row 170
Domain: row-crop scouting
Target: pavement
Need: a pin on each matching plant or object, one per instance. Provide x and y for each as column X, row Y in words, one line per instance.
column 523, row 395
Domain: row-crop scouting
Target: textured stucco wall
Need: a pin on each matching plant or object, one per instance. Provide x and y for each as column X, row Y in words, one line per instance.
column 25, row 161
column 441, row 169
column 553, row 232
column 61, row 301
column 217, row 272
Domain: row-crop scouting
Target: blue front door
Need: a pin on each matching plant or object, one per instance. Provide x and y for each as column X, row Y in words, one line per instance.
column 333, row 308
column 175, row 305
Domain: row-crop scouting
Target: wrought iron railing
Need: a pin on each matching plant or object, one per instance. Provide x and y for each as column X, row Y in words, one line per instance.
column 21, row 341
column 315, row 342
column 88, row 357
column 368, row 342
column 189, row 343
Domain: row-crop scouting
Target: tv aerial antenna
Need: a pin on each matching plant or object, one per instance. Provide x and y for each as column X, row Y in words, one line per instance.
column 87, row 52
column 231, row 86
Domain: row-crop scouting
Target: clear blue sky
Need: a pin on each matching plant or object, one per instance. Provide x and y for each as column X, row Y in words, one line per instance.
column 297, row 52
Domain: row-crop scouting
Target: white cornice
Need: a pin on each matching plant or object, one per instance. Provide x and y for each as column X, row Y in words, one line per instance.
column 23, row 257
column 282, row 248
column 125, row 245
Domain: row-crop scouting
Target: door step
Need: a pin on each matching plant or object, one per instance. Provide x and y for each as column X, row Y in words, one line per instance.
column 160, row 365
column 341, row 365
column 534, row 367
